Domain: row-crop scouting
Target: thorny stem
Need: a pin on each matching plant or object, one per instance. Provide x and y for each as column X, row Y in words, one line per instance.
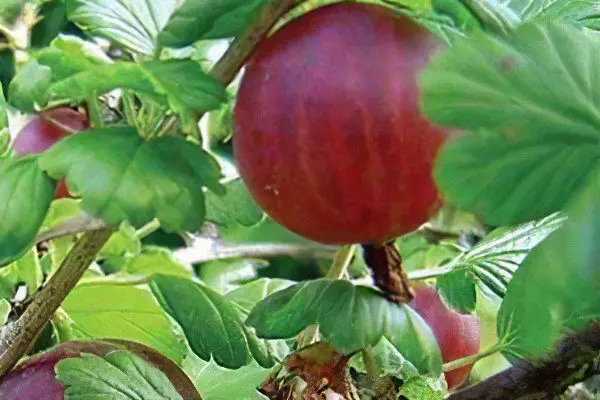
column 17, row 336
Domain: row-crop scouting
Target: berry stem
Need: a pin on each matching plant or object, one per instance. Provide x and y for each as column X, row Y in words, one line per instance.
column 386, row 264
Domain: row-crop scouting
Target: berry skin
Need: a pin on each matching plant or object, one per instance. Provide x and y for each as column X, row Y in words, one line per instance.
column 329, row 137
column 39, row 134
column 457, row 335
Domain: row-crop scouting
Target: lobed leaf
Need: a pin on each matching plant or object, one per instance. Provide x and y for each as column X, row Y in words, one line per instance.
column 118, row 375
column 236, row 206
column 493, row 261
column 208, row 19
column 349, row 317
column 122, row 177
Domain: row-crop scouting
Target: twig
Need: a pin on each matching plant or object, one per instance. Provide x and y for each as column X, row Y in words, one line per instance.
column 221, row 251
column 148, row 229
column 472, row 359
column 576, row 358
column 17, row 336
column 341, row 262
column 241, row 48
column 78, row 224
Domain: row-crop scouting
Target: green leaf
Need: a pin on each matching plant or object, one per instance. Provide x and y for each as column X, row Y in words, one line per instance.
column 185, row 85
column 236, row 206
column 584, row 13
column 457, row 289
column 28, row 88
column 5, row 138
column 487, row 310
column 182, row 83
column 508, row 181
column 60, row 211
column 130, row 23
column 3, row 114
column 227, row 275
column 120, row 249
column 7, row 68
column 494, row 260
column 72, row 69
column 25, row 196
column 218, row 383
column 249, row 295
column 208, row 19
column 536, row 93
column 52, row 21
column 123, row 312
column 67, row 56
column 558, row 284
column 134, row 179
column 450, row 20
column 424, row 388
column 70, row 55
column 531, row 83
column 25, row 271
column 5, row 309
column 10, row 11
column 349, row 317
column 212, row 324
column 388, row 361
column 155, row 260
column 118, row 375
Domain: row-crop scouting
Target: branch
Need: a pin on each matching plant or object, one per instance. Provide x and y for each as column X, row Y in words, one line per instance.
column 576, row 358
column 241, row 48
column 16, row 337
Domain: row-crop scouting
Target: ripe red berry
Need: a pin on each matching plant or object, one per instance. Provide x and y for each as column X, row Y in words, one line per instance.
column 456, row 334
column 44, row 130
column 329, row 137
column 35, row 378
